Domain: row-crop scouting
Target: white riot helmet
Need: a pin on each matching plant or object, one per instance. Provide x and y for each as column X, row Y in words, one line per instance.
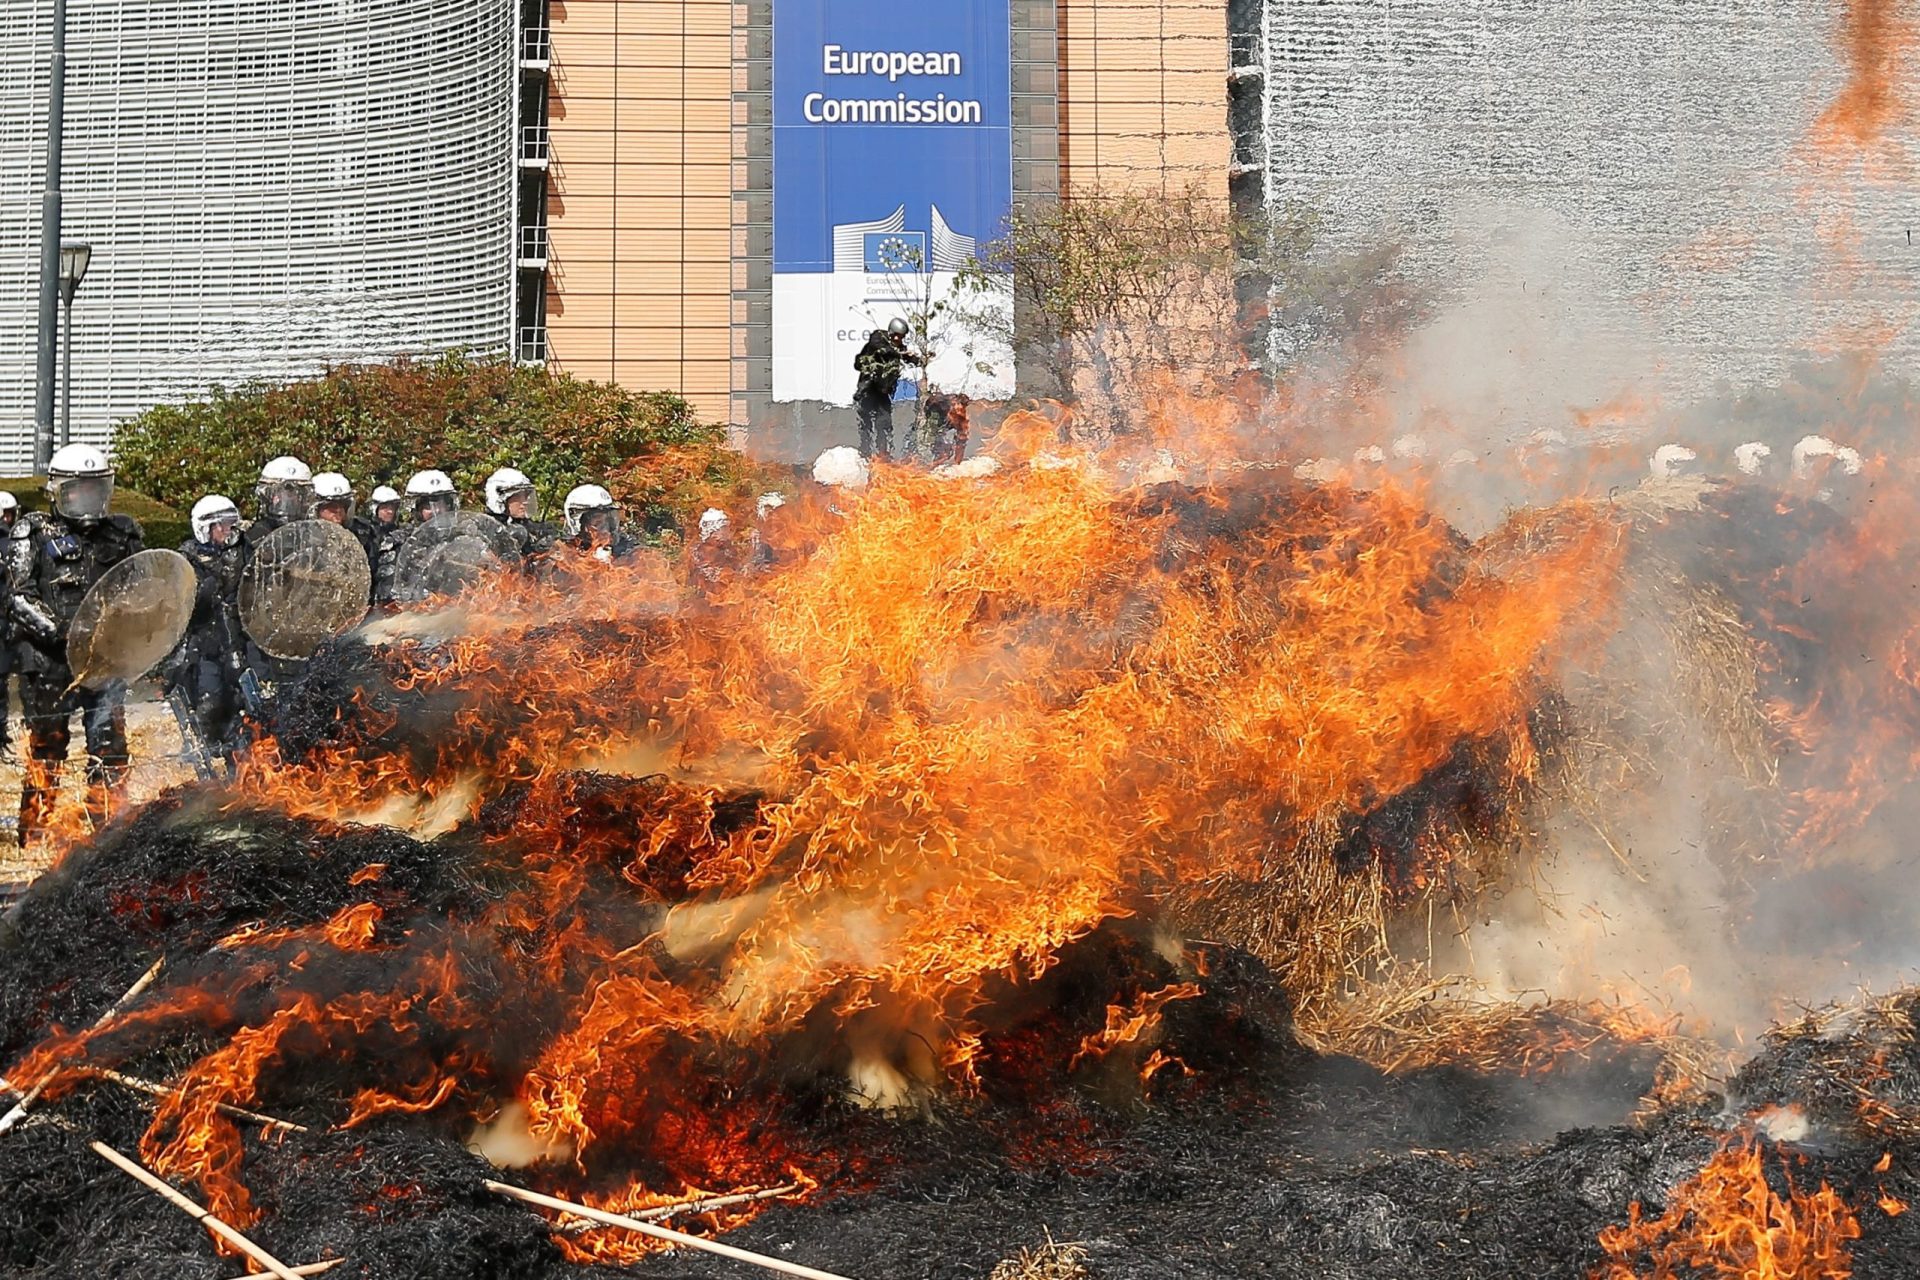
column 331, row 489
column 506, row 484
column 1751, row 457
column 590, row 506
column 842, row 467
column 285, row 488
column 9, row 508
column 384, row 495
column 1670, row 461
column 768, row 501
column 431, row 489
column 712, row 522
column 212, row 510
column 79, row 483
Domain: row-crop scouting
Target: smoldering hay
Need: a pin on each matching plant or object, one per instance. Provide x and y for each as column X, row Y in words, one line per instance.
column 781, row 884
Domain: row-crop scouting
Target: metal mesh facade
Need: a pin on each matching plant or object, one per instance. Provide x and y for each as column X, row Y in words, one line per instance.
column 269, row 186
column 1641, row 172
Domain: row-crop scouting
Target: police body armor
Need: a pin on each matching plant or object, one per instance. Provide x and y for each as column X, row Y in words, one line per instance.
column 52, row 562
column 214, row 631
column 383, row 542
column 533, row 537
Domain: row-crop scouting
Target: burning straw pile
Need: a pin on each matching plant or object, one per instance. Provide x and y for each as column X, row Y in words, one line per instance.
column 847, row 889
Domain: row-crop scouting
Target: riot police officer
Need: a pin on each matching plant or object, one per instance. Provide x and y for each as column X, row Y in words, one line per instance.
column 713, row 559
column 283, row 494
column 593, row 525
column 333, row 498
column 53, row 558
column 205, row 672
column 9, row 516
column 512, row 501
column 380, row 532
column 430, row 493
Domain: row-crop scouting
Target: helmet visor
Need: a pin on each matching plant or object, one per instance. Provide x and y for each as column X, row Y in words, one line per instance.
column 520, row 503
column 338, row 510
column 286, row 499
column 217, row 530
column 428, row 505
column 601, row 523
column 82, row 497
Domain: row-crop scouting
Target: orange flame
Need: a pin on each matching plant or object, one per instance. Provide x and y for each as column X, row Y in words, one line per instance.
column 981, row 720
column 1728, row 1221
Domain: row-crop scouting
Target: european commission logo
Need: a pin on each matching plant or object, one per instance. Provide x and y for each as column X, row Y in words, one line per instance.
column 885, row 246
column 886, row 252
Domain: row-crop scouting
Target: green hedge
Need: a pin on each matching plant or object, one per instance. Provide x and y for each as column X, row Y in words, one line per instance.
column 379, row 423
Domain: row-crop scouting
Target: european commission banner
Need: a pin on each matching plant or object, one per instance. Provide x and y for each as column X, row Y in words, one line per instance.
column 892, row 163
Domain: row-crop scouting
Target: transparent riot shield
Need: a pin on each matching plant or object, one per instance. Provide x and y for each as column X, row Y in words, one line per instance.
column 308, row 580
column 449, row 553
column 131, row 619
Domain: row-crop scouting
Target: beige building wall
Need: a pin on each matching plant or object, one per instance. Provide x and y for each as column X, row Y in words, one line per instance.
column 644, row 124
column 1143, row 95
column 638, row 195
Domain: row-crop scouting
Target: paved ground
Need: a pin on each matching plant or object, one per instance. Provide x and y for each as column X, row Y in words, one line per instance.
column 157, row 765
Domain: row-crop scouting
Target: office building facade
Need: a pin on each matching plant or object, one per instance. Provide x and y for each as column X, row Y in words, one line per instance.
column 268, row 186
column 277, row 185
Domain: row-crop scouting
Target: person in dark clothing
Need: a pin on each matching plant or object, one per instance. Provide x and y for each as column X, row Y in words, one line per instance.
column 713, row 559
column 512, row 501
column 878, row 366
column 205, row 670
column 9, row 516
column 283, row 494
column 380, row 532
column 53, row 558
column 333, row 499
column 946, row 423
column 593, row 526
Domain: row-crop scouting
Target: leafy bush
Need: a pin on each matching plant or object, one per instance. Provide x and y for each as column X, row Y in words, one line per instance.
column 668, row 488
column 377, row 424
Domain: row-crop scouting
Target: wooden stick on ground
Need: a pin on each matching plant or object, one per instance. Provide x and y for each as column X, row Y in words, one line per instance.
column 661, row 1212
column 310, row 1268
column 658, row 1233
column 159, row 1186
column 166, row 1091
column 145, row 980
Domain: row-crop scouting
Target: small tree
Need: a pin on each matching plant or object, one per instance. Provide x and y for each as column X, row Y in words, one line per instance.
column 1113, row 293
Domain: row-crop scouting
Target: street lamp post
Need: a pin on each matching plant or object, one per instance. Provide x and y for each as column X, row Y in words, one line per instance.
column 74, row 258
column 50, row 243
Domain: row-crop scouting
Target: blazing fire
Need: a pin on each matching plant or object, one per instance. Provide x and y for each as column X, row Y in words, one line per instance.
column 1728, row 1221
column 853, row 808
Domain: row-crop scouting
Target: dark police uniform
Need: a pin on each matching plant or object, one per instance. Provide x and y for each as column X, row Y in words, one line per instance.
column 207, row 666
column 52, row 562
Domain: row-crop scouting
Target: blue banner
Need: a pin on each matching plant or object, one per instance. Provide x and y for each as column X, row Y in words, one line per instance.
column 892, row 165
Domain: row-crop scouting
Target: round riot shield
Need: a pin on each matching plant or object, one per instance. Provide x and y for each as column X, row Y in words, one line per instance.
column 449, row 552
column 130, row 619
column 306, row 581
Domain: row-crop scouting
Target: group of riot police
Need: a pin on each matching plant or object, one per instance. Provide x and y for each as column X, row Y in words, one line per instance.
column 214, row 676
